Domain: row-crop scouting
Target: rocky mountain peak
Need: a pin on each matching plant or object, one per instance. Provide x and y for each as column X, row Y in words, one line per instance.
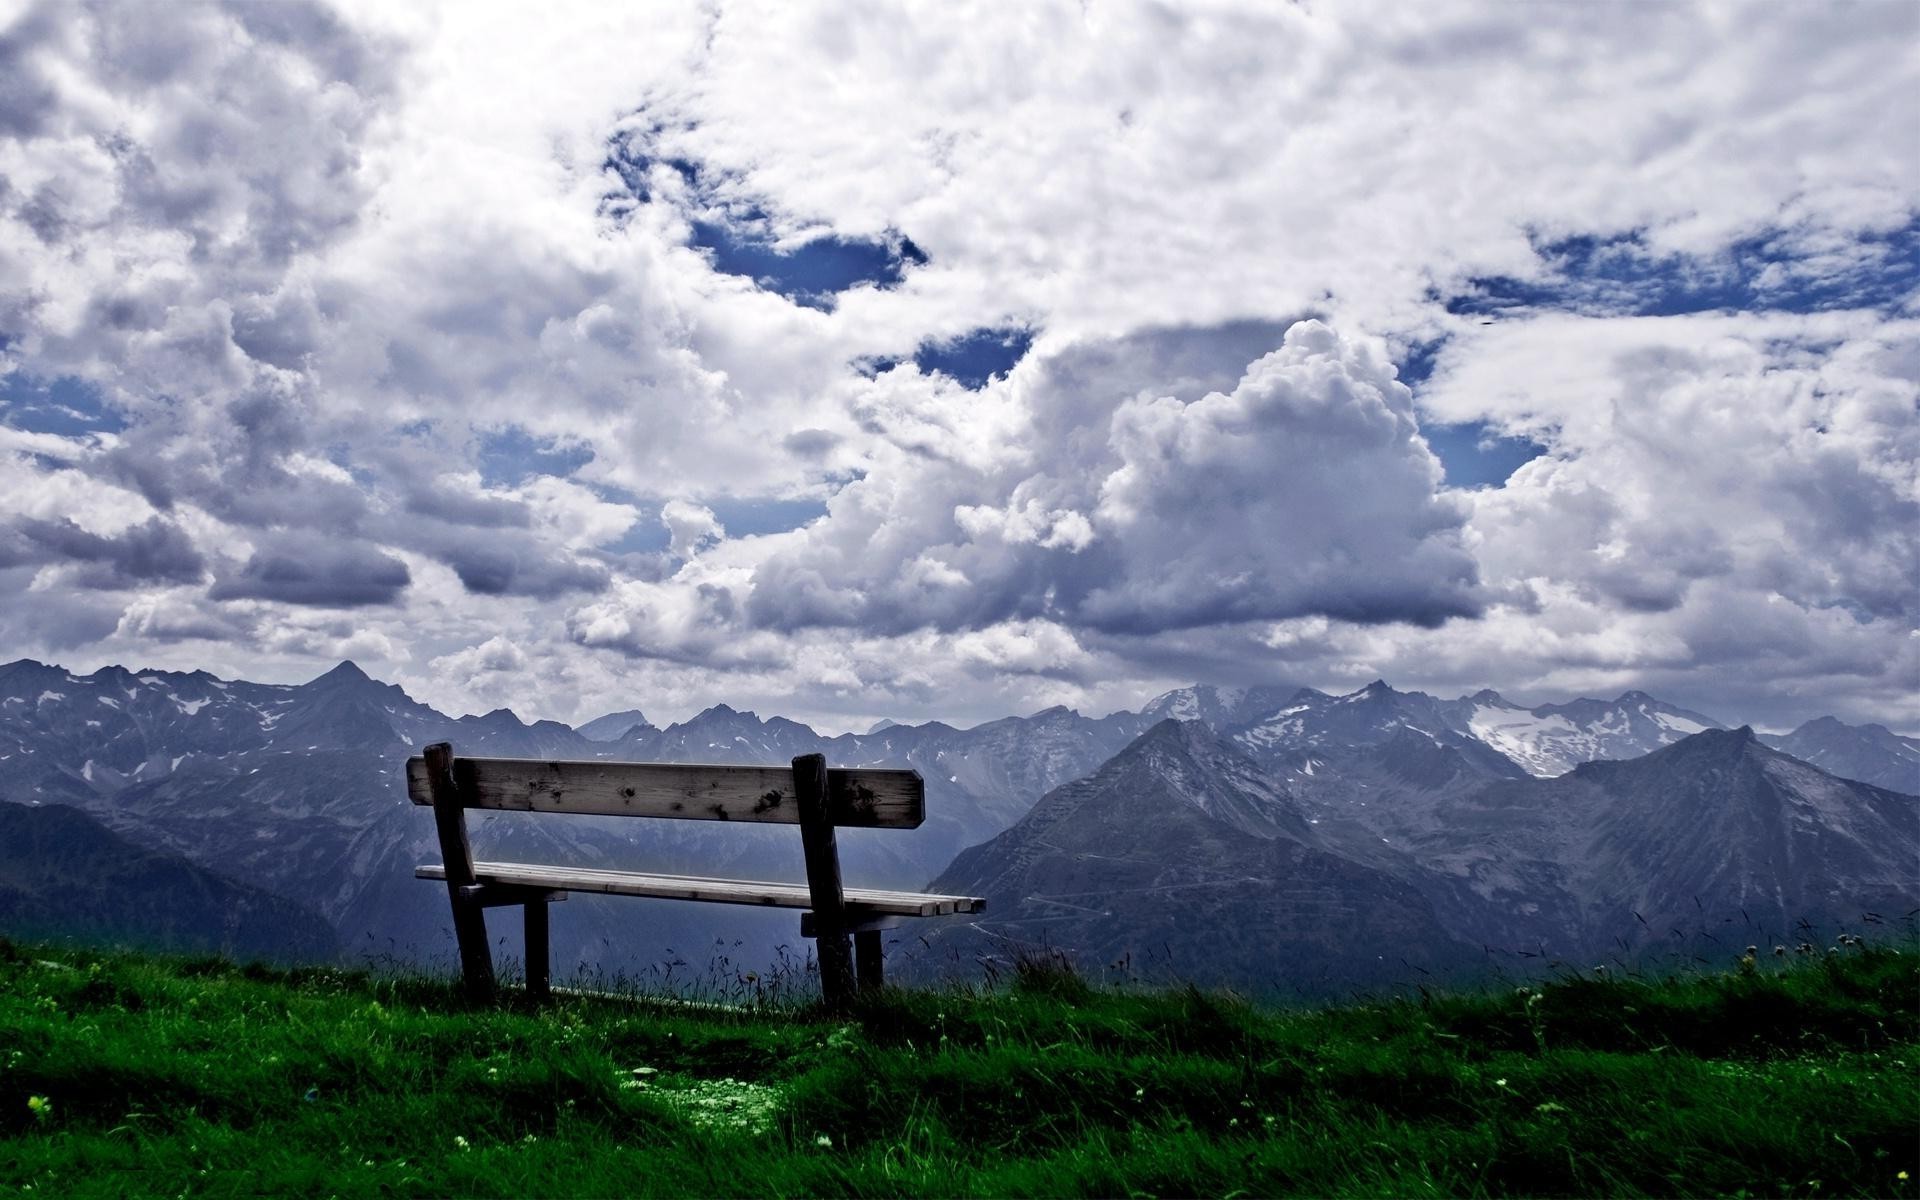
column 614, row 725
column 346, row 673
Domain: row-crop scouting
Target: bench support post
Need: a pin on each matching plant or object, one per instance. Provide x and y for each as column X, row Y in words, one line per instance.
column 866, row 946
column 538, row 958
column 831, row 940
column 469, row 920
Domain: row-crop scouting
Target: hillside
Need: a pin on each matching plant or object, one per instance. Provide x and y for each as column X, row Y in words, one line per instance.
column 64, row 876
column 1791, row 1076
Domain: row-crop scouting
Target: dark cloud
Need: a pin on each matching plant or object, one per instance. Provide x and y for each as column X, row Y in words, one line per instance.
column 811, row 443
column 463, row 506
column 496, row 570
column 318, row 574
column 27, row 99
column 156, row 551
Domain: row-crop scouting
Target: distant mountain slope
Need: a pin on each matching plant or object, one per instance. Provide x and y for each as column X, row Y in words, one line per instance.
column 1410, row 850
column 1869, row 753
column 64, row 875
column 1715, row 830
column 1181, row 856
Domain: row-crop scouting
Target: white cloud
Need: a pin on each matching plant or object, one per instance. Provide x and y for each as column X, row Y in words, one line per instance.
column 322, row 265
column 690, row 528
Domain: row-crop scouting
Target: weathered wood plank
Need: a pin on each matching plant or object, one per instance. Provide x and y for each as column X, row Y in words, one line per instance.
column 867, row 798
column 866, row 901
column 503, row 895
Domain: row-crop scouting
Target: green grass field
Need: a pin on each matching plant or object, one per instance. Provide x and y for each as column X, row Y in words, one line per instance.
column 123, row 1074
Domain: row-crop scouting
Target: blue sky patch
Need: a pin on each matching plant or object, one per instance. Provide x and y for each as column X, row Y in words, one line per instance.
column 1473, row 455
column 1776, row 271
column 745, row 517
column 813, row 273
column 65, row 406
column 736, row 231
column 1416, row 366
column 740, row 516
column 511, row 456
column 974, row 358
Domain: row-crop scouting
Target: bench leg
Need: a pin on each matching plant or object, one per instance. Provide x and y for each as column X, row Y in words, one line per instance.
column 866, row 950
column 538, row 957
column 836, row 967
column 476, row 957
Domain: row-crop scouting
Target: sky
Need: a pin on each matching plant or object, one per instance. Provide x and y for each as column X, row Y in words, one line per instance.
column 851, row 361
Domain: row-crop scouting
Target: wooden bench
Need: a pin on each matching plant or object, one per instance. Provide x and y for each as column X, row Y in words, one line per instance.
column 807, row 794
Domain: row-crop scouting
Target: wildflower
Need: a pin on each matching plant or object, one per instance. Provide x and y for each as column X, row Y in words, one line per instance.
column 826, row 1143
column 40, row 1106
column 1500, row 1082
column 461, row 1142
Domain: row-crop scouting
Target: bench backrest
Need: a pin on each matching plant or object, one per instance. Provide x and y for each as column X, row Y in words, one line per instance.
column 863, row 797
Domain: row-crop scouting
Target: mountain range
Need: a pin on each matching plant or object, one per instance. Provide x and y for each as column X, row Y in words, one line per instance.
column 1182, row 846
column 295, row 789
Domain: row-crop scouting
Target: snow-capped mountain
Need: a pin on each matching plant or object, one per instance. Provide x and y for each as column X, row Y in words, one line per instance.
column 1223, row 709
column 1552, row 739
column 1313, row 730
column 1486, row 728
column 1870, row 753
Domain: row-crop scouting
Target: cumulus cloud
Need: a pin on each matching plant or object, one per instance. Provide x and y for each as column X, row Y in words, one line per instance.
column 1780, row 454
column 690, row 528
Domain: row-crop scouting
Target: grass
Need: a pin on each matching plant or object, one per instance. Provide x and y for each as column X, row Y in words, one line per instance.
column 127, row 1074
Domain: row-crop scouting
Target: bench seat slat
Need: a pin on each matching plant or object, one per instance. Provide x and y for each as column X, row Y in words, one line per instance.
column 865, row 797
column 691, row 887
